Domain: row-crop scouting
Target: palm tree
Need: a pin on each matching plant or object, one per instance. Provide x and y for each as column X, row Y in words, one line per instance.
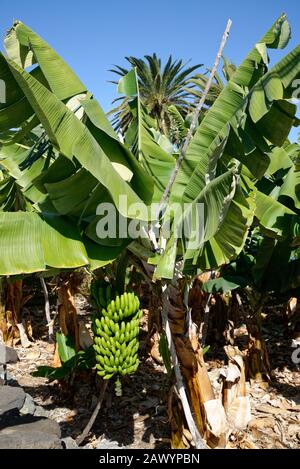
column 160, row 87
column 200, row 81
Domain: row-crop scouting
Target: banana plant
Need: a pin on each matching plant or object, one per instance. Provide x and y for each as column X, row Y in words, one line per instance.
column 230, row 153
column 238, row 136
column 87, row 163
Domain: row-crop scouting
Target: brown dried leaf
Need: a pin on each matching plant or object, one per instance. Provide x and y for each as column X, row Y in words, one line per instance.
column 239, row 412
column 269, row 409
column 215, row 417
column 262, row 423
column 33, row 354
column 154, row 351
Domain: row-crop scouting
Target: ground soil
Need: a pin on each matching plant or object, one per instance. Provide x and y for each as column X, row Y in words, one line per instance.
column 138, row 419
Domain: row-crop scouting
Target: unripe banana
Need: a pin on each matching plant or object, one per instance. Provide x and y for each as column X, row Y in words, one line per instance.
column 106, row 360
column 118, row 345
column 97, row 322
column 135, row 366
column 115, row 341
column 104, row 351
column 113, row 306
column 122, row 338
column 125, row 298
column 130, row 305
column 112, row 325
column 116, row 317
column 112, row 360
column 123, row 349
column 131, row 369
column 124, row 371
column 135, row 348
column 110, row 314
column 128, row 327
column 100, row 359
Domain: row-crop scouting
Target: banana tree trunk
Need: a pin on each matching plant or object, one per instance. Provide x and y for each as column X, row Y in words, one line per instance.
column 201, row 397
column 259, row 367
column 11, row 303
column 68, row 284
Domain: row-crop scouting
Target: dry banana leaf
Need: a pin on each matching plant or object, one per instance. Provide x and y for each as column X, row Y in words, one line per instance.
column 234, row 392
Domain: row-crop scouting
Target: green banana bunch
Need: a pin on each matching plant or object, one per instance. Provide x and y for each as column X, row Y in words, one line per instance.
column 101, row 293
column 116, row 336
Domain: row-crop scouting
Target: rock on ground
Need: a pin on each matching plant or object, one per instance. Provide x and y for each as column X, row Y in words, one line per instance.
column 7, row 355
column 69, row 443
column 28, row 406
column 33, row 433
column 108, row 444
column 11, row 398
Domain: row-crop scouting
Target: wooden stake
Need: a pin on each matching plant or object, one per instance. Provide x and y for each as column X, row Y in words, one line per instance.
column 195, row 118
column 90, row 423
column 47, row 310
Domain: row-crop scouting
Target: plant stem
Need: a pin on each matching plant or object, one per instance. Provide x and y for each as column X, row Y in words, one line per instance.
column 90, row 423
column 195, row 118
column 47, row 310
column 205, row 321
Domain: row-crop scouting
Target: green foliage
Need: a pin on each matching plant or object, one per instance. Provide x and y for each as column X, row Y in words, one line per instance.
column 165, row 352
column 66, row 347
column 224, row 284
column 72, row 361
column 238, row 134
column 160, row 87
column 63, row 155
column 102, row 292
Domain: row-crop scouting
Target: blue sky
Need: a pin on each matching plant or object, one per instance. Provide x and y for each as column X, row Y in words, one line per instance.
column 93, row 35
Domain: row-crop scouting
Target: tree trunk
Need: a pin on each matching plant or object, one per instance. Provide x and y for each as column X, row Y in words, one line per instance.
column 200, row 393
column 11, row 304
column 67, row 312
column 259, row 367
